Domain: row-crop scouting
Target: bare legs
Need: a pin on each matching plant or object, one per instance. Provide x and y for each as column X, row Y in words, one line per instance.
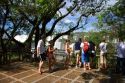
column 50, row 64
column 52, row 61
column 92, row 62
column 87, row 65
column 103, row 64
column 78, row 63
column 67, row 61
column 40, row 67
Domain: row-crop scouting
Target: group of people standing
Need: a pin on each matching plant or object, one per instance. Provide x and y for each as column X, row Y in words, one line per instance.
column 42, row 53
column 85, row 52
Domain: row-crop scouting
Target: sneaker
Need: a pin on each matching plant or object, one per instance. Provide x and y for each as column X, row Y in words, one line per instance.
column 99, row 69
column 89, row 68
column 80, row 64
column 69, row 67
column 53, row 67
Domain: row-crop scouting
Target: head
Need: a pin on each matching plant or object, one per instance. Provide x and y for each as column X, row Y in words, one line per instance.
column 42, row 37
column 120, row 39
column 51, row 43
column 67, row 41
column 103, row 40
column 85, row 39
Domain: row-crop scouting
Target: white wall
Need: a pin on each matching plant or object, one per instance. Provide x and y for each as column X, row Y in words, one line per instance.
column 59, row 44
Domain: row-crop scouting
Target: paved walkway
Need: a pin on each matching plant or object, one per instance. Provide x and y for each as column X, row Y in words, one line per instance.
column 26, row 73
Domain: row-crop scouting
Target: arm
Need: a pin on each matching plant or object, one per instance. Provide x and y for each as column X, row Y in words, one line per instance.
column 81, row 46
column 66, row 47
column 51, row 49
column 38, row 50
column 95, row 48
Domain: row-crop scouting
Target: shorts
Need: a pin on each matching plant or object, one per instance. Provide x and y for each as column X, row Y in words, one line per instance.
column 103, row 58
column 67, row 55
column 42, row 57
column 82, row 58
column 77, row 52
column 92, row 53
column 85, row 57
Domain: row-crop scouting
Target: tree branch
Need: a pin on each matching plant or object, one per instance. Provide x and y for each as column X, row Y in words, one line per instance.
column 22, row 13
column 60, row 18
column 69, row 31
column 13, row 38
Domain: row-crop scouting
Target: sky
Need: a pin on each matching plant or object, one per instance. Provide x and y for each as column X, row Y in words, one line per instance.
column 73, row 19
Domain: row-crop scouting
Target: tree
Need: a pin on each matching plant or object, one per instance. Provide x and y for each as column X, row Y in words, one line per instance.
column 33, row 17
column 114, row 17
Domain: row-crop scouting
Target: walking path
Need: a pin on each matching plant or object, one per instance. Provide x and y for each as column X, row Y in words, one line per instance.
column 26, row 73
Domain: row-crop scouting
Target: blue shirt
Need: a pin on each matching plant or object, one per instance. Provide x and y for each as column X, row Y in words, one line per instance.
column 77, row 45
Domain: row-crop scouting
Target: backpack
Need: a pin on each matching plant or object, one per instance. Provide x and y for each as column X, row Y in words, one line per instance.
column 86, row 47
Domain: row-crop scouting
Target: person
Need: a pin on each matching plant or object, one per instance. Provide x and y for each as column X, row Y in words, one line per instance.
column 67, row 51
column 51, row 56
column 71, row 47
column 41, row 54
column 34, row 55
column 120, row 66
column 77, row 52
column 85, row 56
column 92, row 53
column 103, row 54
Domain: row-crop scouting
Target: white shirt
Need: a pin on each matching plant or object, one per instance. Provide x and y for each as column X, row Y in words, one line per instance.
column 120, row 49
column 103, row 47
column 40, row 46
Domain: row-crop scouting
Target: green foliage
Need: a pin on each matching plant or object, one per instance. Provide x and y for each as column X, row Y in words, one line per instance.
column 116, row 22
column 111, row 48
column 100, row 20
column 96, row 37
column 41, row 1
column 119, row 8
column 121, row 31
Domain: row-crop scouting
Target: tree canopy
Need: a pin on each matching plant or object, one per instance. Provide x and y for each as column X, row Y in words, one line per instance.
column 32, row 17
column 112, row 19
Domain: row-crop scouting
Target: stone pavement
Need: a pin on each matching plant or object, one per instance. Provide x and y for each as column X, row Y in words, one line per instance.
column 26, row 73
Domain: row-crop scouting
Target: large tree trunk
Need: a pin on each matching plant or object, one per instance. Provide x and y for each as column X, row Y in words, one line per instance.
column 4, row 52
column 43, row 32
column 37, row 34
